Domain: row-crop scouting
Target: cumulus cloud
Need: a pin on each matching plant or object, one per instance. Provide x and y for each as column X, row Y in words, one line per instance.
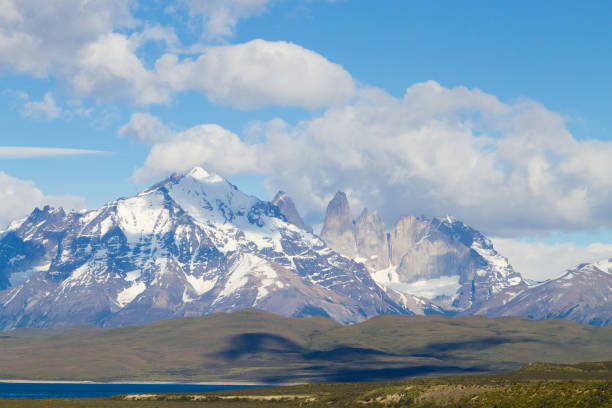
column 109, row 68
column 23, row 152
column 508, row 169
column 541, row 261
column 219, row 17
column 145, row 127
column 36, row 37
column 76, row 41
column 46, row 109
column 19, row 197
column 220, row 149
column 260, row 73
column 95, row 48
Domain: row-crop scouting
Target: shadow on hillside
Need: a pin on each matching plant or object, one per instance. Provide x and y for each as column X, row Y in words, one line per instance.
column 338, row 374
column 352, row 364
column 442, row 350
column 249, row 344
column 246, row 344
column 345, row 354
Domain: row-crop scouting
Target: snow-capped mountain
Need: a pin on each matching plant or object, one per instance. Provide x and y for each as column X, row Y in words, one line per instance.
column 447, row 264
column 583, row 294
column 194, row 244
column 190, row 245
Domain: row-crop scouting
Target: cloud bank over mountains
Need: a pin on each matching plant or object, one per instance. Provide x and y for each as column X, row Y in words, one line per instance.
column 508, row 168
column 18, row 197
column 540, row 261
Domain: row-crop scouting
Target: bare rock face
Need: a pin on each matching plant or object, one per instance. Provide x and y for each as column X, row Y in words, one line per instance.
column 444, row 262
column 371, row 240
column 287, row 208
column 455, row 264
column 433, row 259
column 338, row 230
column 406, row 233
column 422, row 251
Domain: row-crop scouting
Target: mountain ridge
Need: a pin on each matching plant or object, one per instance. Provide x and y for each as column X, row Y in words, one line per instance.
column 194, row 244
column 187, row 246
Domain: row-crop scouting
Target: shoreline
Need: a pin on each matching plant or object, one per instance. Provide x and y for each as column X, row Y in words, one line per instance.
column 232, row 383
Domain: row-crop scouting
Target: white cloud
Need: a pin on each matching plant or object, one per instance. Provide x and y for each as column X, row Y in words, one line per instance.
column 145, row 127
column 19, row 197
column 109, row 68
column 36, row 37
column 220, row 149
column 508, row 169
column 22, row 152
column 260, row 73
column 46, row 109
column 219, row 17
column 540, row 261
column 76, row 41
column 85, row 45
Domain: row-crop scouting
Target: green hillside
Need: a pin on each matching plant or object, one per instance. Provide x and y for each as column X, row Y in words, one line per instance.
column 255, row 346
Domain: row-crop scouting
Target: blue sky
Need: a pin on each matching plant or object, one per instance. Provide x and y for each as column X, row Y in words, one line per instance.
column 512, row 135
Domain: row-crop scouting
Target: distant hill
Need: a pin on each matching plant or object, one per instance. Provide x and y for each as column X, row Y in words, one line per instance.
column 252, row 345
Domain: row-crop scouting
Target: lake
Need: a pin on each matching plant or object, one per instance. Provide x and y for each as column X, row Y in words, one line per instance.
column 69, row 390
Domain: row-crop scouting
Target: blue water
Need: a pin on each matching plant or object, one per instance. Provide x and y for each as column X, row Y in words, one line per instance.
column 69, row 390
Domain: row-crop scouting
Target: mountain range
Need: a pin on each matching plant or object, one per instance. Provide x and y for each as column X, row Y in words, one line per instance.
column 194, row 244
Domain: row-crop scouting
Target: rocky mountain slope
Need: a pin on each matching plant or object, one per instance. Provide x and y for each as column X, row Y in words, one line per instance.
column 583, row 294
column 444, row 266
column 287, row 208
column 190, row 245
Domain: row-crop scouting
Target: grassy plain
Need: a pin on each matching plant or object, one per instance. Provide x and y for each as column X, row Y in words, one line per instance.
column 255, row 346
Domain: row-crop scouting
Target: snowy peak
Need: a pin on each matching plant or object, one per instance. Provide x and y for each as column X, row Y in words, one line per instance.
column 190, row 245
column 204, row 176
column 604, row 266
column 209, row 198
column 461, row 232
column 287, row 208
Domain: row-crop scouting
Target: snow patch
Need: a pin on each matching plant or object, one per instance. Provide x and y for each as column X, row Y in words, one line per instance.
column 133, row 275
column 204, row 176
column 249, row 267
column 142, row 215
column 126, row 296
column 201, row 285
column 17, row 278
column 430, row 288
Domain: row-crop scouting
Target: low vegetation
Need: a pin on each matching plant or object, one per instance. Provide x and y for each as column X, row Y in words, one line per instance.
column 535, row 386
